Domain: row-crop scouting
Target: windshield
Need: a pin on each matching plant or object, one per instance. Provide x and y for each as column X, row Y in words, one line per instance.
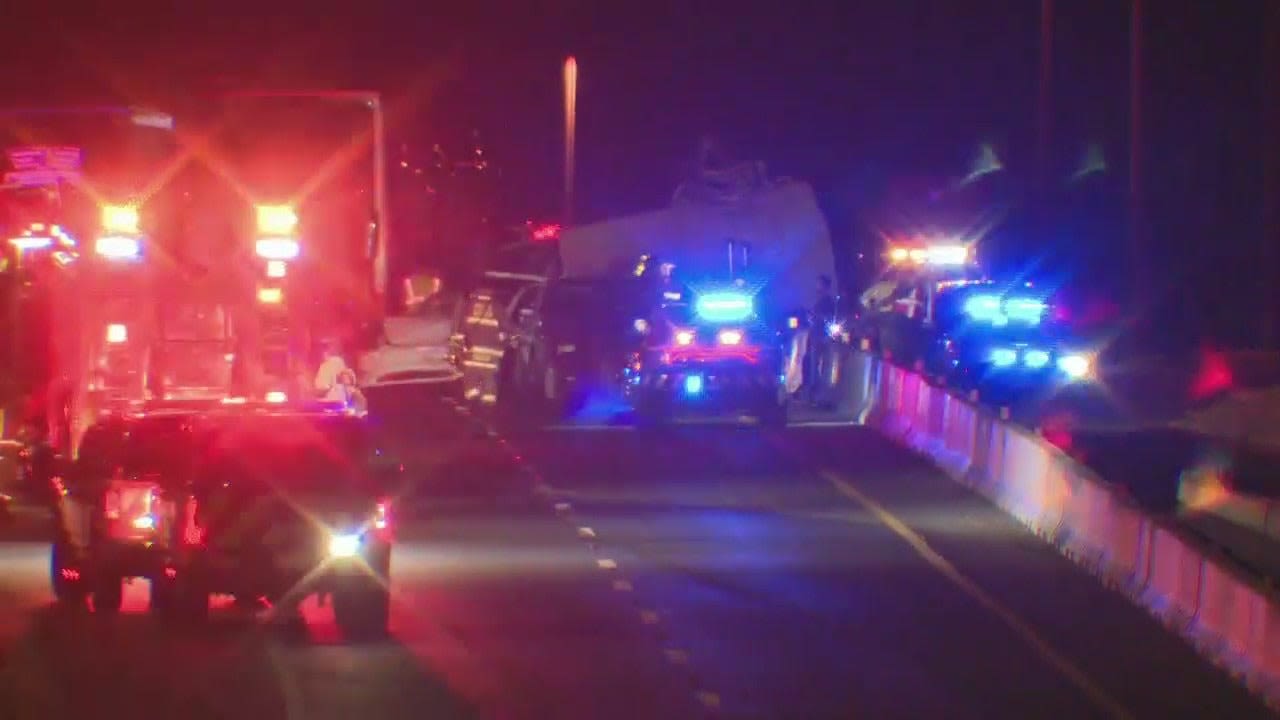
column 305, row 452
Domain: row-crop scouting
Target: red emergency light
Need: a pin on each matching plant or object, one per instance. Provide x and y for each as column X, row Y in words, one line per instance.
column 543, row 233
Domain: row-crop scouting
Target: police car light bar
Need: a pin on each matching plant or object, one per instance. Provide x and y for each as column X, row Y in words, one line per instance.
column 997, row 310
column 278, row 248
column 118, row 247
column 724, row 307
column 942, row 255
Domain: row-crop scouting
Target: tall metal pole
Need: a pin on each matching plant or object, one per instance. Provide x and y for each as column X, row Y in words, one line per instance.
column 570, row 134
column 380, row 202
column 1137, row 208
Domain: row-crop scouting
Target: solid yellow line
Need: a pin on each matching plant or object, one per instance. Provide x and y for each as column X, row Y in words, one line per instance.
column 1055, row 659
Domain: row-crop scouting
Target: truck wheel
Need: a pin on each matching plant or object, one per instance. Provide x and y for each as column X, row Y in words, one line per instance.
column 652, row 410
column 362, row 613
column 179, row 600
column 65, row 576
column 108, row 594
column 774, row 412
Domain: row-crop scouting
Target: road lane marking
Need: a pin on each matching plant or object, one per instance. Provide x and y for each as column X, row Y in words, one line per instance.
column 563, row 507
column 586, row 532
column 676, row 657
column 622, row 585
column 709, row 700
column 649, row 617
column 606, row 564
column 1021, row 628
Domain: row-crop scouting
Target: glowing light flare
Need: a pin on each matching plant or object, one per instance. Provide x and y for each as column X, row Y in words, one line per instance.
column 724, row 307
column 117, row 333
column 1004, row 357
column 276, row 397
column 729, row 337
column 118, row 247
column 1035, row 359
column 344, row 546
column 1076, row 366
column 270, row 296
column 277, row 269
column 693, row 385
column 144, row 522
column 941, row 255
column 277, row 248
column 120, row 219
column 544, row 233
column 276, row 219
column 23, row 244
column 684, row 337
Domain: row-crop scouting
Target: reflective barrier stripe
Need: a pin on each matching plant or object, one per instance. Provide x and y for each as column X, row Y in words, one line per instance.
column 1231, row 619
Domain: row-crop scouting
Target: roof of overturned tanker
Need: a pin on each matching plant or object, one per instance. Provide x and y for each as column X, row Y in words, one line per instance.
column 780, row 221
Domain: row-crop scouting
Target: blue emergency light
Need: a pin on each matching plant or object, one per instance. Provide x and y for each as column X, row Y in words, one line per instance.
column 693, row 385
column 724, row 307
column 1000, row 311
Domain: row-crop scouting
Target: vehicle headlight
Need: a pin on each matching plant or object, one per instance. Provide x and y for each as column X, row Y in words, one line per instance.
column 344, row 546
column 834, row 329
column 1076, row 366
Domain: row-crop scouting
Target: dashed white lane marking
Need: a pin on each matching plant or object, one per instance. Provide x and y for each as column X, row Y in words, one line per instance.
column 676, row 656
column 709, row 700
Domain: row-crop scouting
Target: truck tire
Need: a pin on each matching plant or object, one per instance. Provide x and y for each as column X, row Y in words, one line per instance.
column 362, row 613
column 774, row 412
column 108, row 593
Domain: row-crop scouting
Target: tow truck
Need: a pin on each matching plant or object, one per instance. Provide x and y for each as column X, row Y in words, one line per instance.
column 934, row 306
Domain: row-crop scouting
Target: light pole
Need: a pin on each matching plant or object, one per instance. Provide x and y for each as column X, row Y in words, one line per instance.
column 570, row 134
column 373, row 101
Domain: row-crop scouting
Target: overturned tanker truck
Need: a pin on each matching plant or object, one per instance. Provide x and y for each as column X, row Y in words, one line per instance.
column 732, row 229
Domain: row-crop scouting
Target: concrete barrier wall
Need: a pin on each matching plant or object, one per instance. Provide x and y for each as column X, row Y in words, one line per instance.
column 1228, row 616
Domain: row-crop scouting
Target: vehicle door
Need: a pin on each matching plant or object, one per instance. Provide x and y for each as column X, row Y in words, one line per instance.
column 520, row 328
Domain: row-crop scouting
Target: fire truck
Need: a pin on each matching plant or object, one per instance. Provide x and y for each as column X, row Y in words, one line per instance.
column 96, row 299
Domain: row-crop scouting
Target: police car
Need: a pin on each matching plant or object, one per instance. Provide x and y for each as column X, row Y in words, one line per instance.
column 707, row 353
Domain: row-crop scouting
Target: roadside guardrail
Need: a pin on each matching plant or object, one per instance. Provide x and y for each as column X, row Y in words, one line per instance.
column 1231, row 618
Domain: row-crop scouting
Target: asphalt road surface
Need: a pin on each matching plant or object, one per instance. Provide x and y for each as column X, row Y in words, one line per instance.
column 701, row 571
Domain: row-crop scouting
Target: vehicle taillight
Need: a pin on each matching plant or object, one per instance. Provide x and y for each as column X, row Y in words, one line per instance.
column 192, row 533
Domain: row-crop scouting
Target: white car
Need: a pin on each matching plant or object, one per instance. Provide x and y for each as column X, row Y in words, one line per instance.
column 414, row 350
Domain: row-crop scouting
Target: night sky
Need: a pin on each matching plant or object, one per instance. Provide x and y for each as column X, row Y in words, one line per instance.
column 844, row 94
